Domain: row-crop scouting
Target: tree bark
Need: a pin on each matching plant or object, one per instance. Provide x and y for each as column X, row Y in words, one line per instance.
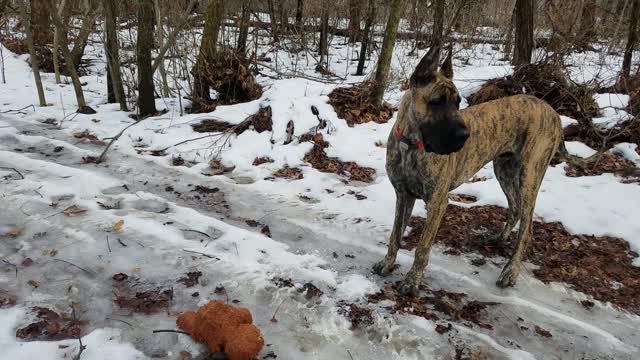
column 112, row 49
column 40, row 23
column 524, row 13
column 80, row 43
column 243, row 32
column 632, row 41
column 371, row 14
column 146, row 96
column 587, row 33
column 384, row 61
column 33, row 57
column 208, row 45
column 354, row 20
column 56, row 44
column 438, row 22
column 323, row 49
column 68, row 57
column 299, row 14
column 160, row 38
column 273, row 21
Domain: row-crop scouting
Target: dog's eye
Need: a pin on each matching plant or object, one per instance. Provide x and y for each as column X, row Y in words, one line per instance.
column 437, row 101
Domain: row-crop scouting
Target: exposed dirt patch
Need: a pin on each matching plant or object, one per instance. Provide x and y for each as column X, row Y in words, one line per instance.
column 318, row 158
column 259, row 122
column 49, row 325
column 264, row 229
column 360, row 316
column 354, row 105
column 7, row 299
column 200, row 189
column 597, row 266
column 136, row 296
column 190, row 279
column 282, row 282
column 262, row 160
column 545, row 81
column 435, row 305
column 608, row 163
column 289, row 173
column 311, row 291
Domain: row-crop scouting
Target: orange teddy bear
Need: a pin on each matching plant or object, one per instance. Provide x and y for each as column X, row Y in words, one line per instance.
column 225, row 328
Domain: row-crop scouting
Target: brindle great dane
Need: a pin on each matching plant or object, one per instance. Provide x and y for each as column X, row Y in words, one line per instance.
column 434, row 148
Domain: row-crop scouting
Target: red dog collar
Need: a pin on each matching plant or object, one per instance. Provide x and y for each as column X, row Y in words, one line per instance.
column 407, row 141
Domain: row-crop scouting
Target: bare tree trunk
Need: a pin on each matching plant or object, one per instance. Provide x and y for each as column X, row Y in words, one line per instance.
column 524, row 12
column 80, row 43
column 68, row 57
column 323, row 49
column 33, row 57
column 273, row 21
column 208, row 45
column 384, row 61
column 587, row 33
column 40, row 23
column 160, row 38
column 112, row 48
column 371, row 14
column 632, row 40
column 508, row 41
column 354, row 20
column 243, row 32
column 146, row 96
column 438, row 22
column 56, row 44
column 299, row 14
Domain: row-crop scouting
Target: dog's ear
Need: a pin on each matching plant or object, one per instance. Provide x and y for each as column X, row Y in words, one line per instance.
column 426, row 69
column 447, row 66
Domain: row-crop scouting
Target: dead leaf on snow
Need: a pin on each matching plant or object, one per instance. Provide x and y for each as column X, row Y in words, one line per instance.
column 15, row 232
column 74, row 210
column 117, row 226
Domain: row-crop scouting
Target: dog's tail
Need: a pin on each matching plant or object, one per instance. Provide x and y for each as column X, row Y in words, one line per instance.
column 576, row 160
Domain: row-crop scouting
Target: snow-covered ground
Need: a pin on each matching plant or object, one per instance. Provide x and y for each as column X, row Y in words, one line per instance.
column 321, row 233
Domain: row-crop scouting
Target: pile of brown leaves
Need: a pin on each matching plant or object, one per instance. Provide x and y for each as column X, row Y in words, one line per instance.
column 608, row 163
column 49, row 325
column 354, row 105
column 360, row 316
column 132, row 294
column 318, row 158
column 260, row 121
column 435, row 305
column 597, row 266
column 289, row 173
column 545, row 81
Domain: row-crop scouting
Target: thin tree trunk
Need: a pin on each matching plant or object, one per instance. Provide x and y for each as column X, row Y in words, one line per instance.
column 112, row 48
column 160, row 37
column 146, row 96
column 56, row 44
column 524, row 32
column 243, row 32
column 40, row 23
column 384, row 61
column 323, row 49
column 438, row 22
column 299, row 14
column 208, row 45
column 354, row 20
column 508, row 42
column 273, row 21
column 80, row 43
column 173, row 35
column 587, row 33
column 371, row 14
column 632, row 41
column 69, row 64
column 33, row 57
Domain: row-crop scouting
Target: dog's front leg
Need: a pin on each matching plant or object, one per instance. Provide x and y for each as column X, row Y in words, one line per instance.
column 436, row 207
column 404, row 207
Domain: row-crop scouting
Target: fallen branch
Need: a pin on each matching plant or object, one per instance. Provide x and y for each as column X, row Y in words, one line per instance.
column 200, row 253
column 82, row 346
column 113, row 140
column 14, row 169
column 18, row 110
column 171, row 331
column 76, row 266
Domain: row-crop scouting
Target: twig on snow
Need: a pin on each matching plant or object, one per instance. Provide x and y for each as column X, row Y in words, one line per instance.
column 76, row 266
column 200, row 253
column 13, row 169
column 82, row 346
column 171, row 331
column 114, row 139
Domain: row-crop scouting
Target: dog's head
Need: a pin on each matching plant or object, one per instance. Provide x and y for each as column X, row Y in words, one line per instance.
column 435, row 105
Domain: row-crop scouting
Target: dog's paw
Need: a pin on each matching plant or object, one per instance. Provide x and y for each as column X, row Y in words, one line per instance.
column 508, row 276
column 408, row 287
column 383, row 268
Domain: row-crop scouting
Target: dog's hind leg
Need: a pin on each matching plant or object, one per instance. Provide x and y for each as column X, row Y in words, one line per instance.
column 404, row 207
column 533, row 171
column 436, row 207
column 507, row 169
